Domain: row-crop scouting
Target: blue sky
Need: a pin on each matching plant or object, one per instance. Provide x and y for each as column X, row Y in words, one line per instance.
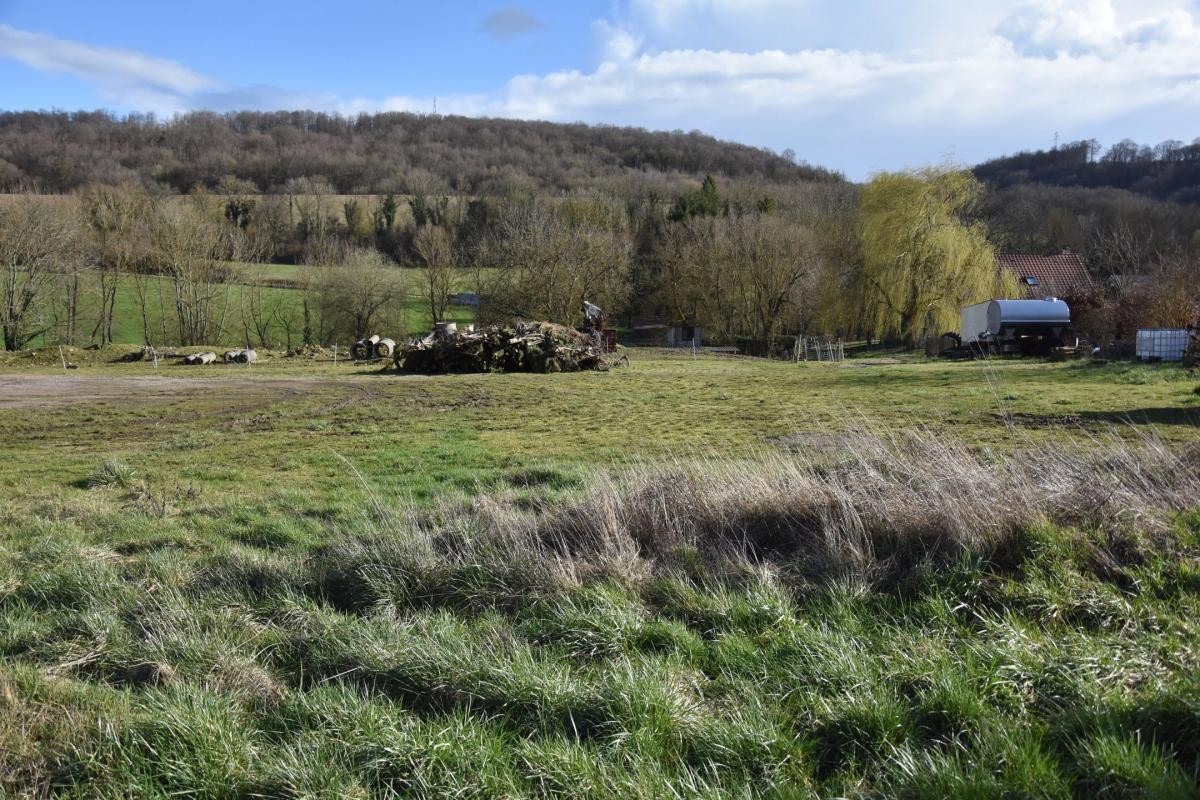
column 855, row 85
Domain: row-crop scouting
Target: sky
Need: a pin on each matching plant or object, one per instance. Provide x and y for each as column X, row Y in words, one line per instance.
column 852, row 85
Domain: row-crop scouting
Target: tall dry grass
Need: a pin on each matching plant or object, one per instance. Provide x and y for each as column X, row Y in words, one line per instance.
column 883, row 508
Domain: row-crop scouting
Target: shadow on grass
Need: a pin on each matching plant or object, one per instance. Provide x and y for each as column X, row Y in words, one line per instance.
column 1134, row 416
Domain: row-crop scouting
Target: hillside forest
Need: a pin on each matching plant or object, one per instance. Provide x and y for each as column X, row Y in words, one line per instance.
column 182, row 225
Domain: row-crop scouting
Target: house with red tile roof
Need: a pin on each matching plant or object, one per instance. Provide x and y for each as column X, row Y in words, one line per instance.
column 1063, row 275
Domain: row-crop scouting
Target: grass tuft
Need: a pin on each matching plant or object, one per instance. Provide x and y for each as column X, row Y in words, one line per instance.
column 112, row 473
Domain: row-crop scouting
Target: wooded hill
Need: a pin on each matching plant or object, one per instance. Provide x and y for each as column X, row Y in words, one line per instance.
column 54, row 152
column 1168, row 171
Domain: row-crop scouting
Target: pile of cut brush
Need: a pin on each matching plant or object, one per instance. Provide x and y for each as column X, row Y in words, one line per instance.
column 523, row 347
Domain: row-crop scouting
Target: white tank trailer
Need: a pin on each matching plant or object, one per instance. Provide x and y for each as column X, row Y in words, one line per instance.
column 1015, row 326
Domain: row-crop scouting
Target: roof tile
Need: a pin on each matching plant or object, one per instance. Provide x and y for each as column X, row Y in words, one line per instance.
column 1062, row 275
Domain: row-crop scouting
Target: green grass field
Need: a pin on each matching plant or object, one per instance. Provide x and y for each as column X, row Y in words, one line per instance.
column 700, row 577
column 285, row 286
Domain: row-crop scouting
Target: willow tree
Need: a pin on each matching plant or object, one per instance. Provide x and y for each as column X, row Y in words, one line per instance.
column 922, row 261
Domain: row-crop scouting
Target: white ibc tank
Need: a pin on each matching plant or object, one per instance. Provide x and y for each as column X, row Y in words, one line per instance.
column 1162, row 344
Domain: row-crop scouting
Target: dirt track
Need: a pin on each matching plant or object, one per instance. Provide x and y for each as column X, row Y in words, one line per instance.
column 39, row 391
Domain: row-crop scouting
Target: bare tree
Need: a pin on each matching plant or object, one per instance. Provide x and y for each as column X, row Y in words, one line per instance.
column 696, row 284
column 36, row 242
column 288, row 319
column 259, row 310
column 115, row 219
column 67, row 295
column 144, row 286
column 1121, row 251
column 770, row 258
column 188, row 246
column 433, row 246
column 548, row 259
column 359, row 296
column 311, row 208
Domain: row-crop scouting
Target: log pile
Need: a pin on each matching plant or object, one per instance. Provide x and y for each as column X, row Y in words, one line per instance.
column 364, row 349
column 524, row 347
column 196, row 359
column 145, row 353
column 247, row 356
column 372, row 347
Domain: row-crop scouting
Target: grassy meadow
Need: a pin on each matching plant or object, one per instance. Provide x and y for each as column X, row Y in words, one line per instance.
column 698, row 577
column 283, row 285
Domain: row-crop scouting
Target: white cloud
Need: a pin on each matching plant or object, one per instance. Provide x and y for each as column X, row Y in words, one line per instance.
column 1050, row 26
column 794, row 25
column 929, row 26
column 1107, row 68
column 1075, row 67
column 117, row 73
column 986, row 81
column 616, row 43
column 1063, row 25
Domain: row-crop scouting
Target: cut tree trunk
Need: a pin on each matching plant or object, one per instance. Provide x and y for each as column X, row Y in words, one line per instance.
column 200, row 358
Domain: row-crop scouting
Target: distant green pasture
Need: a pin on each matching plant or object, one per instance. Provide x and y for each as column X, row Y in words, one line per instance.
column 286, row 282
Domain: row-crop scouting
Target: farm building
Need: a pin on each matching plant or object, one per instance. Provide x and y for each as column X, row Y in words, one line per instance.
column 1062, row 275
column 685, row 336
column 657, row 332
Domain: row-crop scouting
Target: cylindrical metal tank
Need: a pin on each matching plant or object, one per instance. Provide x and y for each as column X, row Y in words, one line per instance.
column 1048, row 313
column 996, row 319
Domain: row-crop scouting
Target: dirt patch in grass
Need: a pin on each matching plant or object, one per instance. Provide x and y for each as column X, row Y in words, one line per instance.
column 1105, row 420
column 876, row 362
column 37, row 391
